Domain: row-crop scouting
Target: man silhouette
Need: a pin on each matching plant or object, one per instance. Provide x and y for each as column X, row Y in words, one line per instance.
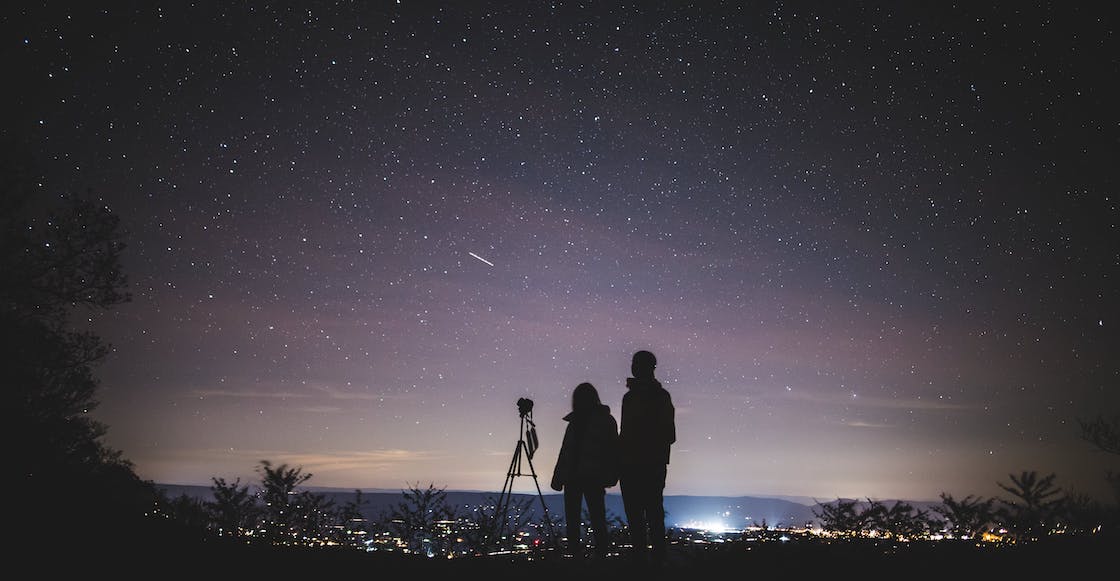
column 646, row 432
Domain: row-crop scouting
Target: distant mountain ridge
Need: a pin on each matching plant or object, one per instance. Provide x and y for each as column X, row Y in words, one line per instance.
column 681, row 510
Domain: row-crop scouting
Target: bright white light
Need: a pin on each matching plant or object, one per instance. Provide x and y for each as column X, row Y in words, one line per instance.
column 709, row 526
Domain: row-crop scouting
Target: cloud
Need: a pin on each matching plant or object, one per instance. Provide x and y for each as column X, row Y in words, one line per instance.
column 858, row 424
column 851, row 399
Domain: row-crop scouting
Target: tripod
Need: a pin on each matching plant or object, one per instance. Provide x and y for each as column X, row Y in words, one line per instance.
column 526, row 445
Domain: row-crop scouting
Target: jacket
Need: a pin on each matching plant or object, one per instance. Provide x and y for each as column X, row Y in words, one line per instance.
column 648, row 425
column 589, row 452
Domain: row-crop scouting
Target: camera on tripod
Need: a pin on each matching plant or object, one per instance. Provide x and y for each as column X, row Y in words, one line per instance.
column 525, row 406
column 527, row 445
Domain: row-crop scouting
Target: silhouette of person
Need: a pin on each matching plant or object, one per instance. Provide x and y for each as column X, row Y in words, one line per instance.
column 587, row 466
column 647, row 431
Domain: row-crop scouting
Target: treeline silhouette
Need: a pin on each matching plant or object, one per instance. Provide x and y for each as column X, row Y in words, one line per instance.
column 424, row 523
column 75, row 495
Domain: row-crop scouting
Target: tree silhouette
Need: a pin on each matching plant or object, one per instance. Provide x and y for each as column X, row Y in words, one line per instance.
column 233, row 510
column 415, row 519
column 1036, row 504
column 968, row 517
column 280, row 513
column 316, row 518
column 479, row 527
column 189, row 513
column 1104, row 433
column 59, row 256
column 842, row 517
column 353, row 524
column 899, row 521
column 289, row 516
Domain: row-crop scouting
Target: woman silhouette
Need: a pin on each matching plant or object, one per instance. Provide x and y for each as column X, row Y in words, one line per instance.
column 587, row 466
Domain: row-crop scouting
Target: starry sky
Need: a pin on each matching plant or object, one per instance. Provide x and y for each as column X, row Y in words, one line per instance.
column 875, row 246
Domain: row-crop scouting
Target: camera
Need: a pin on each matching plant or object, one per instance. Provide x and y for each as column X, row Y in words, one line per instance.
column 525, row 406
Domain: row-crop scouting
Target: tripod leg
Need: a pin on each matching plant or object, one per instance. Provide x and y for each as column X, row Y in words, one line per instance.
column 544, row 507
column 501, row 511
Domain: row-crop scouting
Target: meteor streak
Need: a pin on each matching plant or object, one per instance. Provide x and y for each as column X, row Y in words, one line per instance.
column 480, row 258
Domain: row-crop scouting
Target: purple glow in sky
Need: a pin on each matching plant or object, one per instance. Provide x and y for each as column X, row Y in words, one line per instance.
column 875, row 247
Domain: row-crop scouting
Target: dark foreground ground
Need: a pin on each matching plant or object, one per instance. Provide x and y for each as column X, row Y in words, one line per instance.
column 1065, row 559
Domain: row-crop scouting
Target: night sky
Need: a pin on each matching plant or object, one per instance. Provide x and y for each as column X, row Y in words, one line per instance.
column 875, row 247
